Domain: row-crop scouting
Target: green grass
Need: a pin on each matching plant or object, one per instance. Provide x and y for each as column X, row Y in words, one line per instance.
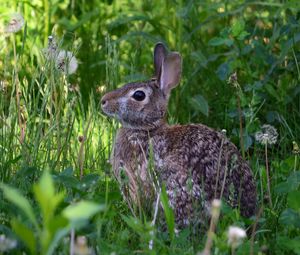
column 51, row 122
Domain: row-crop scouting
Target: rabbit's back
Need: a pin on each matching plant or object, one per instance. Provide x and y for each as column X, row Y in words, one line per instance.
column 199, row 164
column 195, row 162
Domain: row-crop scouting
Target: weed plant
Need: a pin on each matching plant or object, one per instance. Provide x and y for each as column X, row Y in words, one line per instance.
column 240, row 71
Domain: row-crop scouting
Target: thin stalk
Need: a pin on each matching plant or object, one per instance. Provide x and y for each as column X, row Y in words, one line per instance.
column 16, row 81
column 241, row 125
column 72, row 241
column 296, row 62
column 232, row 250
column 268, row 175
column 154, row 220
column 215, row 213
column 81, row 149
column 224, row 179
column 218, row 169
column 210, row 235
column 47, row 20
column 295, row 162
column 57, row 99
column 254, row 229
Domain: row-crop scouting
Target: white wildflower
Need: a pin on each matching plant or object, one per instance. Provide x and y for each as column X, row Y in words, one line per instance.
column 267, row 135
column 235, row 236
column 66, row 62
column 6, row 243
column 15, row 24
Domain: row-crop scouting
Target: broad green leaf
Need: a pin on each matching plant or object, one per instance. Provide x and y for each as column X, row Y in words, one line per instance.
column 293, row 200
column 223, row 71
column 237, row 27
column 82, row 210
column 67, row 172
column 45, row 195
column 290, row 217
column 14, row 196
column 49, row 206
column 200, row 103
column 25, row 234
column 57, row 238
column 242, row 35
column 90, row 179
column 170, row 218
column 282, row 188
column 289, row 244
column 68, row 181
column 50, row 230
column 247, row 141
column 294, row 180
column 46, row 184
column 292, row 183
column 59, row 228
column 217, row 41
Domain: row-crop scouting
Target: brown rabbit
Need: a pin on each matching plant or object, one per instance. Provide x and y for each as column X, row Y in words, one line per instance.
column 196, row 163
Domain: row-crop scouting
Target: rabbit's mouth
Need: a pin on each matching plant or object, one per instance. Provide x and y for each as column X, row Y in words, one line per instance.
column 107, row 112
column 110, row 114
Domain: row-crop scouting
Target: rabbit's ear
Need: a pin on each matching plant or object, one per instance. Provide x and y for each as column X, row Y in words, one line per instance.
column 160, row 52
column 170, row 72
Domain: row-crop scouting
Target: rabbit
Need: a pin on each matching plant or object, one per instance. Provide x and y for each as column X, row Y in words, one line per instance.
column 195, row 162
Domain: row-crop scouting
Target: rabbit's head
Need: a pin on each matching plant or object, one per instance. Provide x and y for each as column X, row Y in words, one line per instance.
column 143, row 105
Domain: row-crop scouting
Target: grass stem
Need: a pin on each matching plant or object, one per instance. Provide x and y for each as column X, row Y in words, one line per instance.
column 268, row 176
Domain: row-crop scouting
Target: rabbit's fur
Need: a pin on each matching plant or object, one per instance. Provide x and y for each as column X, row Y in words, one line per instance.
column 195, row 162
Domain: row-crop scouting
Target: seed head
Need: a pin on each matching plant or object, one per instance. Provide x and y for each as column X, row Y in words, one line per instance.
column 235, row 236
column 224, row 132
column 296, row 149
column 267, row 135
column 15, row 24
column 73, row 88
column 52, row 45
column 81, row 138
column 66, row 62
column 233, row 80
column 6, row 243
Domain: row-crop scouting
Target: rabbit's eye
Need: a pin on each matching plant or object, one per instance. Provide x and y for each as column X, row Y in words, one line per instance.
column 139, row 95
